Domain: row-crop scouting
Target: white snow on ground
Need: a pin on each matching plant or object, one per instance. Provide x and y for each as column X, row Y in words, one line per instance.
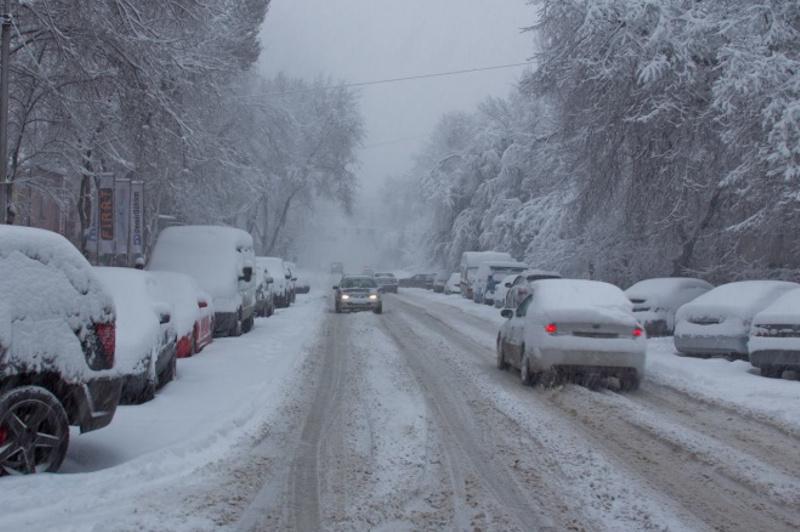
column 220, row 397
column 735, row 385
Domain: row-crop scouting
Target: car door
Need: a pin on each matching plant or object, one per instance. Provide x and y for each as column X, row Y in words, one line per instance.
column 516, row 333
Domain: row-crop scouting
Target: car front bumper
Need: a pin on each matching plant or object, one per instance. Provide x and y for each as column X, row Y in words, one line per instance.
column 711, row 345
column 785, row 358
column 359, row 304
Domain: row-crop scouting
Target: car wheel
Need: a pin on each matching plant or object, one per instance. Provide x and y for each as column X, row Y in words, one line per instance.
column 550, row 378
column 501, row 356
column 629, row 383
column 247, row 325
column 236, row 328
column 525, row 375
column 169, row 373
column 34, row 431
column 379, row 309
column 771, row 372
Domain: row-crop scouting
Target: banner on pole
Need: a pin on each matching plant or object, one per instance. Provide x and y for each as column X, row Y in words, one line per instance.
column 105, row 215
column 122, row 216
column 137, row 218
column 92, row 231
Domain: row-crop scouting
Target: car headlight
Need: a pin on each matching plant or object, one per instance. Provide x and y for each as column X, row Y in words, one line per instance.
column 345, row 297
column 373, row 297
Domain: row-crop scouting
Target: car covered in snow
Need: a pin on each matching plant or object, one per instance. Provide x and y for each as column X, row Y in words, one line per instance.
column 718, row 322
column 57, row 349
column 453, row 284
column 576, row 330
column 291, row 269
column 265, row 293
column 470, row 260
column 489, row 275
column 775, row 336
column 517, row 289
column 387, row 282
column 281, row 279
column 655, row 301
column 302, row 286
column 146, row 344
column 439, row 280
column 222, row 261
column 192, row 311
column 418, row 280
column 357, row 292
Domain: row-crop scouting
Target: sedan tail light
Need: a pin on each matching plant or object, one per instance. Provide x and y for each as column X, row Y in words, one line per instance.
column 106, row 334
column 638, row 332
column 551, row 328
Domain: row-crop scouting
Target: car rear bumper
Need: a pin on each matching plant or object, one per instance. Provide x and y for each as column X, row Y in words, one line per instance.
column 95, row 402
column 579, row 358
column 711, row 345
column 776, row 357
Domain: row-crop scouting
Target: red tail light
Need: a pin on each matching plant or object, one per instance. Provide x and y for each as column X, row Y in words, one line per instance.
column 637, row 332
column 551, row 328
column 202, row 304
column 107, row 338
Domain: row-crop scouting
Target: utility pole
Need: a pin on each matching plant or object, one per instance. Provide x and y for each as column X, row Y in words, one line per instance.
column 5, row 73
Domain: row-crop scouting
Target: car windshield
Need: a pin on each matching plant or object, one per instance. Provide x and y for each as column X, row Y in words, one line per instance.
column 358, row 282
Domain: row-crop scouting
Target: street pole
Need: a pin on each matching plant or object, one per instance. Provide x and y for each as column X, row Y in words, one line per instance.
column 5, row 73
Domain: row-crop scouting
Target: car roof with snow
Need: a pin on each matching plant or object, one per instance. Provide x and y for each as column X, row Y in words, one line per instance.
column 664, row 285
column 741, row 298
column 784, row 310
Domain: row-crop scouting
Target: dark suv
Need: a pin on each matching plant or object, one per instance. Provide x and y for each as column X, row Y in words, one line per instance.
column 57, row 343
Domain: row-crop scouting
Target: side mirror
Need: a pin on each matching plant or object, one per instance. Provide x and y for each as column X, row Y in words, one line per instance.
column 507, row 313
column 163, row 318
column 247, row 274
column 508, row 285
column 269, row 280
column 335, row 287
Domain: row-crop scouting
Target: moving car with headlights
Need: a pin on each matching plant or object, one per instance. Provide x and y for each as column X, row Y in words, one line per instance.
column 775, row 336
column 655, row 301
column 453, row 284
column 470, row 260
column 192, row 311
column 146, row 344
column 57, row 352
column 221, row 260
column 489, row 275
column 519, row 287
column 573, row 330
column 357, row 292
column 718, row 322
column 387, row 282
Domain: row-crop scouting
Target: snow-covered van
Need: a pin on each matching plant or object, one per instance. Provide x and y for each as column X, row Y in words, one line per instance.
column 222, row 261
column 489, row 275
column 281, row 279
column 57, row 349
column 470, row 260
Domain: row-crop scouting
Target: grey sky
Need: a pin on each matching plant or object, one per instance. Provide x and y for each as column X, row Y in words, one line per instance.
column 363, row 40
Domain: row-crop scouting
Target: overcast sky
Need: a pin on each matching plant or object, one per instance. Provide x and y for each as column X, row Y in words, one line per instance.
column 364, row 40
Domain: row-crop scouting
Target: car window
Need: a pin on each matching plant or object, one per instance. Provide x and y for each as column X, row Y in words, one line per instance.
column 522, row 310
column 358, row 282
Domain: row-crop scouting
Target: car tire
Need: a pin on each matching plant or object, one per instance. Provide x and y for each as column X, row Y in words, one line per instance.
column 169, row 373
column 248, row 324
column 629, row 383
column 525, row 375
column 27, row 404
column 378, row 309
column 771, row 372
column 236, row 328
column 501, row 356
column 337, row 308
column 194, row 341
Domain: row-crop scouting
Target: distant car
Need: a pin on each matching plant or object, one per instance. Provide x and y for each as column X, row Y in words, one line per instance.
column 281, row 278
column 57, row 349
column 775, row 336
column 387, row 282
column 470, row 260
column 146, row 338
column 419, row 280
column 453, row 285
column 291, row 269
column 488, row 275
column 192, row 311
column 222, row 261
column 265, row 293
column 519, row 288
column 575, row 330
column 302, row 286
column 357, row 292
column 501, row 290
column 718, row 322
column 337, row 268
column 439, row 280
column 655, row 301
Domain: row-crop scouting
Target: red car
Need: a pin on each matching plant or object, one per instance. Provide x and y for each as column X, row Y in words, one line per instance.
column 192, row 310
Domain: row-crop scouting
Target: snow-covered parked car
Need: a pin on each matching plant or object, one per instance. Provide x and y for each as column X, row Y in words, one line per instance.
column 489, row 275
column 439, row 281
column 655, row 301
column 57, row 353
column 302, row 286
column 519, row 287
column 453, row 284
column 265, row 293
column 775, row 336
column 222, row 261
column 387, row 282
column 281, row 279
column 470, row 260
column 291, row 269
column 718, row 322
column 146, row 338
column 192, row 311
column 576, row 330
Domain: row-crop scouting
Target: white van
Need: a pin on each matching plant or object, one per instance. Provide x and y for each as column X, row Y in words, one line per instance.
column 222, row 261
column 470, row 260
column 490, row 275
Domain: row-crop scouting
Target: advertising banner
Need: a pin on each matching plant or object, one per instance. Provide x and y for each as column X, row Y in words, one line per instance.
column 105, row 215
column 122, row 216
column 92, row 231
column 137, row 218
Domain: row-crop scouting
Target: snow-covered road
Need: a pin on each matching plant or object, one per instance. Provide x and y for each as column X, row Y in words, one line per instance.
column 402, row 422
